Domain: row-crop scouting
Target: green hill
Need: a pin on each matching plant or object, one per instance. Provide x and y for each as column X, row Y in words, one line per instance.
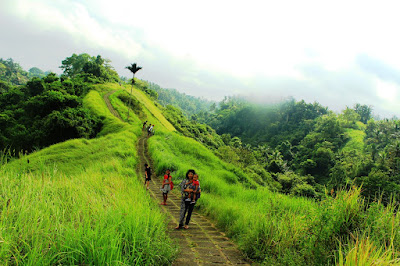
column 80, row 201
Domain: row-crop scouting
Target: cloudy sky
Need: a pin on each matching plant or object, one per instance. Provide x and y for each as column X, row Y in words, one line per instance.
column 337, row 53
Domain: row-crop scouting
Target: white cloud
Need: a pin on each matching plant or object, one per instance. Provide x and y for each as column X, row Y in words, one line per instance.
column 387, row 91
column 309, row 49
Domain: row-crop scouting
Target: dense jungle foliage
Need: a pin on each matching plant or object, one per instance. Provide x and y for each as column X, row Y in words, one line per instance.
column 48, row 109
column 189, row 105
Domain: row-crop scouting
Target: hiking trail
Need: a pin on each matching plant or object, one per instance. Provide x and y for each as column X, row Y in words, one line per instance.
column 202, row 243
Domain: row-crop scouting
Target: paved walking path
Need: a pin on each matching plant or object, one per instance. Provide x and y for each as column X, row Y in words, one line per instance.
column 202, row 243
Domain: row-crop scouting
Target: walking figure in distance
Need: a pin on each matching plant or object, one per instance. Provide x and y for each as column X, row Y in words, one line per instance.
column 147, row 175
column 150, row 130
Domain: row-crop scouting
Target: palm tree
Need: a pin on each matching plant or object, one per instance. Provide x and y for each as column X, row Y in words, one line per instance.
column 133, row 68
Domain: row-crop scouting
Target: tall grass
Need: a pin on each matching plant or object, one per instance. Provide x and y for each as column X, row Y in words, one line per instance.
column 95, row 217
column 361, row 252
column 270, row 227
column 80, row 202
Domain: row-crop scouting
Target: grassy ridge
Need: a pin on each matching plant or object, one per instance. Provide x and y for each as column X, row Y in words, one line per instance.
column 356, row 141
column 80, row 202
column 151, row 110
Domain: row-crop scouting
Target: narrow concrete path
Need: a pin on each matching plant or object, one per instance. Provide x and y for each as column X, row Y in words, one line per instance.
column 202, row 243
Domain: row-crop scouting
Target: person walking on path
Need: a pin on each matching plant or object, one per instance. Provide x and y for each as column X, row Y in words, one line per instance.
column 144, row 124
column 186, row 206
column 150, row 130
column 147, row 175
column 166, row 186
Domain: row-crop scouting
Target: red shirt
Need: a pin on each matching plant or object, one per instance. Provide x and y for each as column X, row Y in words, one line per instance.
column 196, row 183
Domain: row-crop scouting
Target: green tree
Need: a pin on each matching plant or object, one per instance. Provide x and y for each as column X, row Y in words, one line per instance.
column 133, row 68
column 36, row 72
column 365, row 112
column 95, row 69
column 74, row 64
column 349, row 118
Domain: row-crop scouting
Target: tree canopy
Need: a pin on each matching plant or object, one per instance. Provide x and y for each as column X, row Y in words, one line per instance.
column 89, row 67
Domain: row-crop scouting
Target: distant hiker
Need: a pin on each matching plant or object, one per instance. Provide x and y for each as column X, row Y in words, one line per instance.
column 147, row 175
column 150, row 130
column 186, row 206
column 194, row 195
column 144, row 124
column 167, row 185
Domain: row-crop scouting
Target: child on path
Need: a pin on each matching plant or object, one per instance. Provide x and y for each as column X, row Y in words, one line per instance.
column 144, row 124
column 166, row 186
column 193, row 195
column 147, row 175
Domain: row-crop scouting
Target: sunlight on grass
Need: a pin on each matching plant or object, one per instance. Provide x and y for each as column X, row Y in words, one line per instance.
column 153, row 111
column 356, row 141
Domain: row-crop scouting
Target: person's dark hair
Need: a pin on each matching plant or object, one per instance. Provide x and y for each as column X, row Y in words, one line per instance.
column 145, row 165
column 190, row 170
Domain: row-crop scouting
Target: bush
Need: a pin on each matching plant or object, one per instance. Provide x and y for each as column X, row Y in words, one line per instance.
column 304, row 190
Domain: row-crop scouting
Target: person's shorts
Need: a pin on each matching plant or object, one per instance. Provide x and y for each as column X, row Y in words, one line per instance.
column 147, row 179
column 166, row 189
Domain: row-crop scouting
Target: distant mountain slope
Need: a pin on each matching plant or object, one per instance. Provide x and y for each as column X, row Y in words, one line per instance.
column 13, row 74
column 190, row 105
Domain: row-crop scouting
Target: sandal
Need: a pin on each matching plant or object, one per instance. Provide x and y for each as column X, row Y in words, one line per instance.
column 186, row 227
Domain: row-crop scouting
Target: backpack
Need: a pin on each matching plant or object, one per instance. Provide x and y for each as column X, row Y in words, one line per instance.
column 172, row 185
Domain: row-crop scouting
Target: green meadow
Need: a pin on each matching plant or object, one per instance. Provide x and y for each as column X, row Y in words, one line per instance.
column 80, row 202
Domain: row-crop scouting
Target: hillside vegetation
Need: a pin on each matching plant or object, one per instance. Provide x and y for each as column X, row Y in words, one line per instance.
column 274, row 228
column 309, row 188
column 80, row 202
column 271, row 227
